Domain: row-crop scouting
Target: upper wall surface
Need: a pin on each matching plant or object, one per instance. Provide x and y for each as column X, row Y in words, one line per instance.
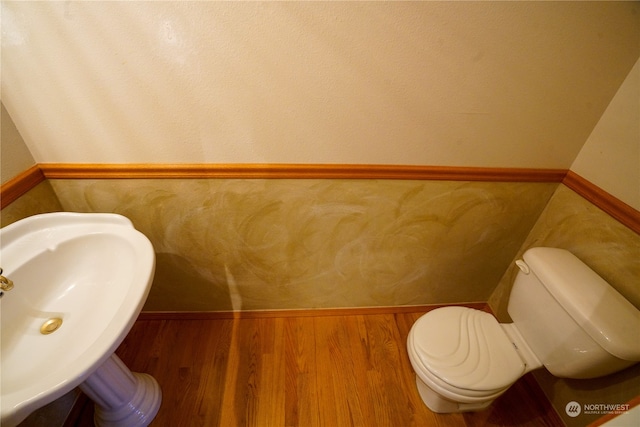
column 14, row 154
column 495, row 84
column 611, row 156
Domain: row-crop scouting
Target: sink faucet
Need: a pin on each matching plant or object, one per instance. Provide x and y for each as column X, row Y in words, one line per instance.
column 5, row 284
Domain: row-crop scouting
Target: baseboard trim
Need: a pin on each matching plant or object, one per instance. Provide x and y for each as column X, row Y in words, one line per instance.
column 319, row 312
column 297, row 171
column 605, row 201
column 16, row 187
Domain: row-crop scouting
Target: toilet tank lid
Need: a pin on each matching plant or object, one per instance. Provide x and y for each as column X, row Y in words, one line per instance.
column 604, row 314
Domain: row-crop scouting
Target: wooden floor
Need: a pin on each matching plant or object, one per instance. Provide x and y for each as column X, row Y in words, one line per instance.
column 333, row 371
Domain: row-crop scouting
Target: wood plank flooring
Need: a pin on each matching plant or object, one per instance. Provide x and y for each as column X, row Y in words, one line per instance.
column 333, row 371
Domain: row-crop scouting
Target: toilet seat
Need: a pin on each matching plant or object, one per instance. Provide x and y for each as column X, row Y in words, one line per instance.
column 464, row 353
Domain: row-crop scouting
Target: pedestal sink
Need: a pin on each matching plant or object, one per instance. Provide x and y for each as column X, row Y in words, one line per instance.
column 79, row 282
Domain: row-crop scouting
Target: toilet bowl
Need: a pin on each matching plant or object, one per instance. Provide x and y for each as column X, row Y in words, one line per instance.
column 565, row 318
column 464, row 359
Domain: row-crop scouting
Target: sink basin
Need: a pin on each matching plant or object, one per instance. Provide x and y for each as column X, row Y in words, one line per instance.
column 80, row 281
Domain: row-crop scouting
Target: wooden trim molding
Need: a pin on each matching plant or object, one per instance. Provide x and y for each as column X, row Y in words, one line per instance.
column 27, row 180
column 19, row 185
column 317, row 312
column 297, row 171
column 605, row 201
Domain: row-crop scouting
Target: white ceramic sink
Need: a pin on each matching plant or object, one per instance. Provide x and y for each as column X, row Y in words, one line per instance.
column 92, row 273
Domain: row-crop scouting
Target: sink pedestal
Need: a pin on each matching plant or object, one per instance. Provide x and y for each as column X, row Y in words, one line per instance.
column 122, row 398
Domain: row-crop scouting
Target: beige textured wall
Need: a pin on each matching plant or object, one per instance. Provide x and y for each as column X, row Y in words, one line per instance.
column 282, row 244
column 611, row 156
column 505, row 84
column 15, row 157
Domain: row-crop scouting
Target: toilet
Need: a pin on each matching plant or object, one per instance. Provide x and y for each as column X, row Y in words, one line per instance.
column 566, row 319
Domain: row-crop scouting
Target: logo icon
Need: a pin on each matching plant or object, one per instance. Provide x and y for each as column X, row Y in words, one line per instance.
column 573, row 409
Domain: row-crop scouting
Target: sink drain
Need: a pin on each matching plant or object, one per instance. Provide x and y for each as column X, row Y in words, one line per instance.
column 50, row 326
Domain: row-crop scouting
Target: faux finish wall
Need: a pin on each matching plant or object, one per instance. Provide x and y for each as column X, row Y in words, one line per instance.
column 40, row 199
column 496, row 84
column 290, row 244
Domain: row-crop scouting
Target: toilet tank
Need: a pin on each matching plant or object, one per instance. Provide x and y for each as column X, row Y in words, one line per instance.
column 574, row 321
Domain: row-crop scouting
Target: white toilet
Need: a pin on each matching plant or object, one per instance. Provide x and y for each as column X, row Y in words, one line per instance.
column 565, row 318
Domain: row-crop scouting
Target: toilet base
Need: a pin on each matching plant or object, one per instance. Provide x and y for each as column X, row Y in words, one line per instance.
column 439, row 404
